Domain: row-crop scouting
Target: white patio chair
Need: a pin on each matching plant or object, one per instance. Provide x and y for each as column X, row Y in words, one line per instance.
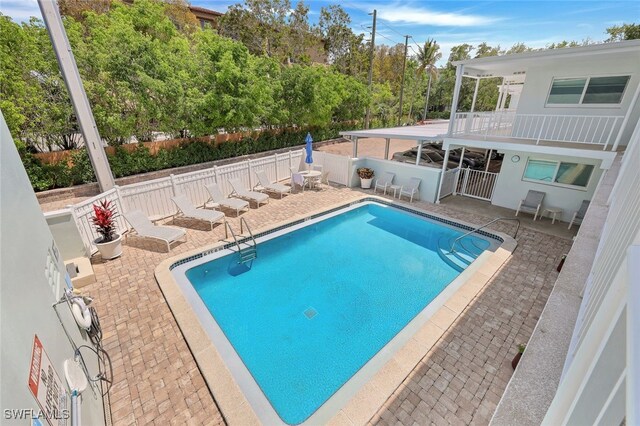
column 240, row 191
column 384, row 182
column 186, row 209
column 579, row 215
column 411, row 190
column 266, row 185
column 217, row 197
column 296, row 178
column 532, row 203
column 144, row 228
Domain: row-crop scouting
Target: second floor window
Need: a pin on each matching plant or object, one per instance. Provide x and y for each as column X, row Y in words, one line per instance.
column 587, row 90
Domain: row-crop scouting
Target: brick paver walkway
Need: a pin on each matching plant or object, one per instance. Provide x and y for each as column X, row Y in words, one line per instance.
column 156, row 380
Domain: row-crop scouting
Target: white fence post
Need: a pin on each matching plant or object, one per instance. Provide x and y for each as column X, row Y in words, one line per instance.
column 215, row 174
column 249, row 169
column 290, row 159
column 174, row 185
column 275, row 156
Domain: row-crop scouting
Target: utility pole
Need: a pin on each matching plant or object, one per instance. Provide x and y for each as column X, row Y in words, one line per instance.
column 404, row 66
column 72, row 79
column 371, row 55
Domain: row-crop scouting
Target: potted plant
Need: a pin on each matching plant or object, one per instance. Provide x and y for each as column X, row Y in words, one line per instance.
column 366, row 177
column 516, row 359
column 109, row 243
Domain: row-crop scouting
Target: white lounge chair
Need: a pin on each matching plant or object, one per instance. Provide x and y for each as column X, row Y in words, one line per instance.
column 532, row 203
column 217, row 197
column 579, row 215
column 240, row 191
column 411, row 190
column 384, row 182
column 189, row 211
column 144, row 228
column 265, row 184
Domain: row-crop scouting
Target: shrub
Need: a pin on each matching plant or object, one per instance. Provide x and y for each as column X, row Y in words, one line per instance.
column 78, row 169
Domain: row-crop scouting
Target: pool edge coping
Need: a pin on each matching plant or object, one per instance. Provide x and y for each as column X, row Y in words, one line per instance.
column 373, row 395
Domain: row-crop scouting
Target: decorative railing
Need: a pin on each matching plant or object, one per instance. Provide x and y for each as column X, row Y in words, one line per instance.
column 585, row 129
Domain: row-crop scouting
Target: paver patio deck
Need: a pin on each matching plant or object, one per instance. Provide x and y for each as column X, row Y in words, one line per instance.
column 460, row 381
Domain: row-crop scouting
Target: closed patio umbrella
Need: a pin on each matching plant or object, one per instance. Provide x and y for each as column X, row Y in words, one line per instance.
column 309, row 147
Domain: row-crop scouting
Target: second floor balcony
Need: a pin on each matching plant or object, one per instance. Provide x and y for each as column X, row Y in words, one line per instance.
column 601, row 131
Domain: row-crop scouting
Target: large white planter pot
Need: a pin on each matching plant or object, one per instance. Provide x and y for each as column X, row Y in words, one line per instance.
column 110, row 250
column 365, row 183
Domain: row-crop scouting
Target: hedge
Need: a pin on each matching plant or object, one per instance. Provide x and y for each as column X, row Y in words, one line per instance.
column 140, row 160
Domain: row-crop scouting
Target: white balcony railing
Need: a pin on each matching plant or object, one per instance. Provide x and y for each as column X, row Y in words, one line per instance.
column 587, row 129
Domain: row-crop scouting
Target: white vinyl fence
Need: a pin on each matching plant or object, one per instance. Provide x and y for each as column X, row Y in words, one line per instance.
column 153, row 197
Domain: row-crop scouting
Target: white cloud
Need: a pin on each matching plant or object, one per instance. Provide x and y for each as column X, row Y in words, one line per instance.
column 424, row 16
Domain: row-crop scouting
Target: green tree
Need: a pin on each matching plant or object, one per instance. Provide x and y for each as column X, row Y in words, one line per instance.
column 623, row 32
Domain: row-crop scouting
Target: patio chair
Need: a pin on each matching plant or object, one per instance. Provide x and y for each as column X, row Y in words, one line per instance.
column 144, row 228
column 384, row 182
column 532, row 203
column 266, row 184
column 296, row 178
column 217, row 197
column 240, row 191
column 186, row 209
column 324, row 178
column 412, row 189
column 579, row 215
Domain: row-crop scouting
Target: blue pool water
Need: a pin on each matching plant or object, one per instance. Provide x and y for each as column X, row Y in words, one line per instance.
column 321, row 301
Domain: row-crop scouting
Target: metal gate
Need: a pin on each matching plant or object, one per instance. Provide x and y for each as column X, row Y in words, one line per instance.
column 476, row 184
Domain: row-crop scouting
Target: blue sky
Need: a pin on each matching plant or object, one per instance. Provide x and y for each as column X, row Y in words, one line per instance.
column 452, row 22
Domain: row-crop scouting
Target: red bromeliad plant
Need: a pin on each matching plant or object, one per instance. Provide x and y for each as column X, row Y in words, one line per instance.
column 104, row 214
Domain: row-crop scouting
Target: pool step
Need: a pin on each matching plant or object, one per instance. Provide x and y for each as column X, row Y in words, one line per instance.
column 247, row 254
column 465, row 253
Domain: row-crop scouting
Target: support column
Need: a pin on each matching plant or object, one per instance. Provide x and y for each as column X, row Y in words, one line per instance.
column 461, row 158
column 487, row 161
column 73, row 81
column 500, row 94
column 475, row 96
column 456, row 97
column 419, row 156
column 444, row 169
column 354, row 145
column 386, row 148
column 504, row 97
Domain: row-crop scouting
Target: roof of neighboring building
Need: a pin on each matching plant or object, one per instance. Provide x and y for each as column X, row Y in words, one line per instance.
column 202, row 10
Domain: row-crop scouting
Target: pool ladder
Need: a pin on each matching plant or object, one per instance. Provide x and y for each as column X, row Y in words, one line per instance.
column 249, row 252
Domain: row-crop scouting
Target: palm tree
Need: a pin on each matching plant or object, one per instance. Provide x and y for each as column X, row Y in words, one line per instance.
column 427, row 58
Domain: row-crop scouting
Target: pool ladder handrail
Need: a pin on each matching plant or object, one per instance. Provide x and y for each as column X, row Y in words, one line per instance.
column 453, row 246
column 248, row 253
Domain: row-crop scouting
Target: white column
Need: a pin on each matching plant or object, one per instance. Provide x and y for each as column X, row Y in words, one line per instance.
column 444, row 169
column 354, row 146
column 504, row 97
column 461, row 157
column 488, row 160
column 626, row 119
column 419, row 153
column 501, row 93
column 456, row 96
column 386, row 148
column 475, row 95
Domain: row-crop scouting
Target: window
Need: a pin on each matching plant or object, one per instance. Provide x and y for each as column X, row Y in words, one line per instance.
column 558, row 172
column 591, row 90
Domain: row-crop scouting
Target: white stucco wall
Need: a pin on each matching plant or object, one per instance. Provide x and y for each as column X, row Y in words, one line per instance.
column 510, row 188
column 539, row 78
column 403, row 173
column 26, row 297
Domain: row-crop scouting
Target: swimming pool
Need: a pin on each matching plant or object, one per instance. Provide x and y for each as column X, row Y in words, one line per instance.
column 321, row 301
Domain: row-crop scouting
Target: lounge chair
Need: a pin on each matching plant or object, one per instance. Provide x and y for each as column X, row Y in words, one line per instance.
column 240, row 191
column 217, row 197
column 266, row 184
column 579, row 215
column 144, row 228
column 532, row 203
column 411, row 190
column 189, row 211
column 384, row 182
